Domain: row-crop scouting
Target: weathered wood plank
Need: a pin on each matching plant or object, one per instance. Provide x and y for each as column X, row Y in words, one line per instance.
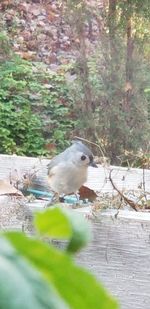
column 119, row 256
column 98, row 178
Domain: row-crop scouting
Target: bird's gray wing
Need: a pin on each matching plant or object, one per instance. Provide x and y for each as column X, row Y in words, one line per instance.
column 62, row 157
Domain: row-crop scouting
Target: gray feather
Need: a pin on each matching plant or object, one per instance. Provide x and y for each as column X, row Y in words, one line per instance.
column 67, row 154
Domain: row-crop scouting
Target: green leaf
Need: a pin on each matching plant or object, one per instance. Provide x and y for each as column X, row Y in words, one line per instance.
column 77, row 287
column 54, row 223
column 81, row 233
column 21, row 285
column 64, row 224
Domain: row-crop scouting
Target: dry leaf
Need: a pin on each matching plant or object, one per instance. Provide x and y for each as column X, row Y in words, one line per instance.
column 7, row 189
column 85, row 192
column 51, row 147
column 27, row 55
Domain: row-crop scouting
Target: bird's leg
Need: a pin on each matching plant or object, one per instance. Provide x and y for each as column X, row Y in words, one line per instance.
column 54, row 200
column 62, row 198
column 77, row 195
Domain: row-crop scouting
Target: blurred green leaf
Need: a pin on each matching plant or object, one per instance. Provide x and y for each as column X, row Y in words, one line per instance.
column 77, row 287
column 81, row 233
column 60, row 223
column 21, row 285
column 54, row 223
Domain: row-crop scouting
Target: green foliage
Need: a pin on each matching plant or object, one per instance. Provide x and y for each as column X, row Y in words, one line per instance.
column 19, row 126
column 37, row 275
column 57, row 108
column 5, row 48
column 34, row 107
column 18, row 129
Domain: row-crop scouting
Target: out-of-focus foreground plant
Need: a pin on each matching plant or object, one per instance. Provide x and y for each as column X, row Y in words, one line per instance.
column 35, row 274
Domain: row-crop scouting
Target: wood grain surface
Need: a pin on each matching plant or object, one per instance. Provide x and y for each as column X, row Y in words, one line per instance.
column 119, row 256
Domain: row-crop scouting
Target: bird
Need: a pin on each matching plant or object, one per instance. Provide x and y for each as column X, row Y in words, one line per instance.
column 68, row 171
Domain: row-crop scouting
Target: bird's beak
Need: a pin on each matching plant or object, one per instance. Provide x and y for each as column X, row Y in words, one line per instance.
column 93, row 164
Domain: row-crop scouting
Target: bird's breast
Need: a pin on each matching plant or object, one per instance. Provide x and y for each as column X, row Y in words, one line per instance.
column 67, row 179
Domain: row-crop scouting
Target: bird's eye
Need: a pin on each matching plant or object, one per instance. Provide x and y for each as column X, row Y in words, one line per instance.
column 83, row 157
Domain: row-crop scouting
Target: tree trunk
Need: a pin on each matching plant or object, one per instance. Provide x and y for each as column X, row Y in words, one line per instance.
column 114, row 131
column 82, row 63
column 129, row 65
column 112, row 38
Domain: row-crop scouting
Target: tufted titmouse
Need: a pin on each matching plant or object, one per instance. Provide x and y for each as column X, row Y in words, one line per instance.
column 67, row 172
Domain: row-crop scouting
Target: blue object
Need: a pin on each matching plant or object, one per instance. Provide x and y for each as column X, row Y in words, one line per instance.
column 70, row 199
column 40, row 193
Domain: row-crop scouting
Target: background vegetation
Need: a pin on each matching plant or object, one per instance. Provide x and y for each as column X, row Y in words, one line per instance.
column 102, row 94
column 33, row 111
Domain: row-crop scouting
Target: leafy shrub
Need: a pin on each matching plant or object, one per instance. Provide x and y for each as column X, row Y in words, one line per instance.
column 37, row 275
column 56, row 108
column 34, row 106
column 20, row 128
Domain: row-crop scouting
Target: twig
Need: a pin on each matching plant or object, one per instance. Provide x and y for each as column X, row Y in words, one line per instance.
column 128, row 201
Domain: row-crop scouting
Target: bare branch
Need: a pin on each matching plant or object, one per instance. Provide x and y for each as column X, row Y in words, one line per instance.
column 128, row 201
